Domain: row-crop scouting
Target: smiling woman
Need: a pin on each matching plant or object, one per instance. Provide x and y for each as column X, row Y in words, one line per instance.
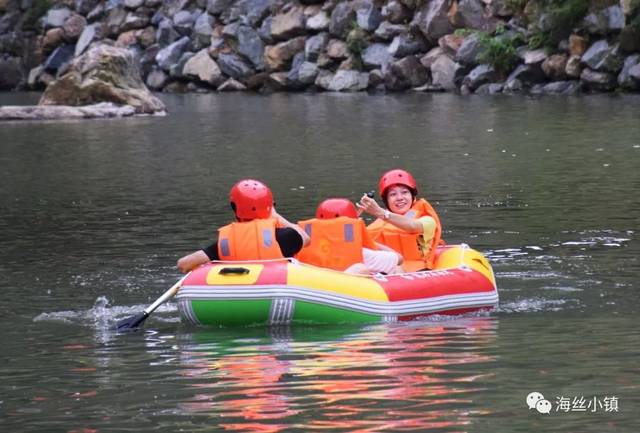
column 409, row 225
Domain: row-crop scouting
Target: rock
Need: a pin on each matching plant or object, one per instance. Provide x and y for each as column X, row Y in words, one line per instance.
column 84, row 7
column 166, row 34
column 103, row 74
column 134, row 21
column 480, row 75
column 203, row 29
column 433, row 21
column 605, row 21
column 470, row 14
column 52, row 39
column 469, row 50
column 443, row 72
column 251, row 46
column 368, row 17
column 114, row 21
column 342, row 19
column 55, row 17
column 216, row 7
column 324, row 78
column 89, row 34
column 287, row 25
column 318, row 22
column 33, row 80
column 265, row 30
column 573, row 67
column 387, row 31
column 255, row 10
column 146, row 37
column 278, row 57
column 532, row 57
column 133, row 4
column 405, row 74
column 56, row 112
column 127, row 39
column 171, row 54
column 526, row 75
column 235, row 66
column 450, row 44
column 183, row 22
column 376, row 56
column 634, row 73
column 203, row 68
column 10, row 72
column 513, row 86
column 396, row 13
column 337, row 49
column 315, row 45
column 603, row 57
column 231, row 85
column 625, row 79
column 489, row 89
column 432, row 55
column 348, row 81
column 554, row 66
column 60, row 56
column 630, row 39
column 598, row 81
column 577, row 45
column 561, row 88
column 157, row 79
column 376, row 79
column 407, row 44
column 175, row 71
column 307, row 73
column 73, row 27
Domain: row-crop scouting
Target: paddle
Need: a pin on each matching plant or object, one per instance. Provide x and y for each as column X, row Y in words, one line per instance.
column 135, row 321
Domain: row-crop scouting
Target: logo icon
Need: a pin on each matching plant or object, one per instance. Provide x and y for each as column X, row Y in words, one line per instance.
column 536, row 400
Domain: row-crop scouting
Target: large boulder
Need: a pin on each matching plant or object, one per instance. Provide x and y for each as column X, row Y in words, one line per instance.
column 10, row 72
column 433, row 19
column 103, row 74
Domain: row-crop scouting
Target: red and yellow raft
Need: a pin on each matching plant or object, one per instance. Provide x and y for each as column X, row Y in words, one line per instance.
column 285, row 291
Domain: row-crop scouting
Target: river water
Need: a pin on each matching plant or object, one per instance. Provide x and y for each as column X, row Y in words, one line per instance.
column 94, row 214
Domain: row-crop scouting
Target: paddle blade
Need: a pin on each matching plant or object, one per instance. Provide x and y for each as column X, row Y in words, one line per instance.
column 132, row 322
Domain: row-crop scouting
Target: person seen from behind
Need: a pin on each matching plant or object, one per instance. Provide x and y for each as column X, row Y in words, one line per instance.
column 340, row 241
column 259, row 232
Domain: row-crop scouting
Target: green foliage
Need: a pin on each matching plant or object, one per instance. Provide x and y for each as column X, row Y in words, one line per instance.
column 357, row 40
column 463, row 32
column 34, row 13
column 499, row 50
column 516, row 6
column 562, row 16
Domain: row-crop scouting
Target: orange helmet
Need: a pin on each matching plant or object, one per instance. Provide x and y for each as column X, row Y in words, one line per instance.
column 397, row 177
column 251, row 199
column 336, row 207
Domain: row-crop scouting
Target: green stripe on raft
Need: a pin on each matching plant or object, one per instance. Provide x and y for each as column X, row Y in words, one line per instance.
column 309, row 312
column 231, row 313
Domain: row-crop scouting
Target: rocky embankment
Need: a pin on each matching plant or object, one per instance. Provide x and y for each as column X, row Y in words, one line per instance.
column 481, row 46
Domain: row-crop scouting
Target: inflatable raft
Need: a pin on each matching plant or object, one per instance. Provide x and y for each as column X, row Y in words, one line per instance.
column 277, row 292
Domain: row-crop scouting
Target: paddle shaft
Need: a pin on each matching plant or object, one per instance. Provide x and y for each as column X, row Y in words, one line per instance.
column 165, row 296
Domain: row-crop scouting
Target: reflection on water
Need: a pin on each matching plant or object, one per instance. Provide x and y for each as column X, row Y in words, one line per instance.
column 382, row 378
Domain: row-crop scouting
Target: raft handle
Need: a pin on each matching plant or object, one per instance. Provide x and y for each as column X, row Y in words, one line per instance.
column 233, row 271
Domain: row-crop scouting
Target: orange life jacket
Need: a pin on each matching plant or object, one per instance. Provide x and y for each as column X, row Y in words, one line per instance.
column 253, row 240
column 409, row 244
column 335, row 243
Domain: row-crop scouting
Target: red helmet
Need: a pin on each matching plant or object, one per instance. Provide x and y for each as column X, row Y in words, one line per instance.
column 397, row 177
column 336, row 207
column 251, row 199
